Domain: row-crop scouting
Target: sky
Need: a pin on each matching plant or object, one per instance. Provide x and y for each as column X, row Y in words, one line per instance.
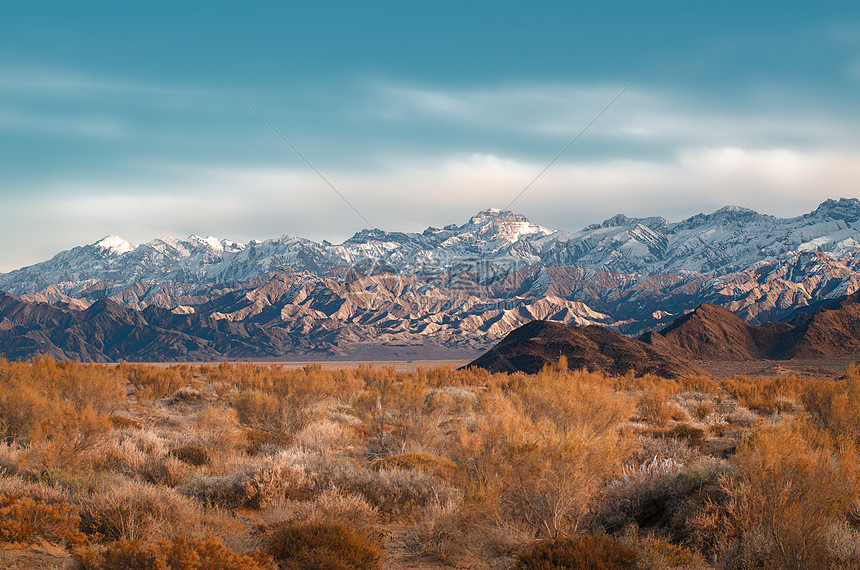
column 119, row 118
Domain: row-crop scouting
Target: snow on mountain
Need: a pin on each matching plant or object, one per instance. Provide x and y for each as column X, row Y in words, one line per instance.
column 115, row 245
column 729, row 240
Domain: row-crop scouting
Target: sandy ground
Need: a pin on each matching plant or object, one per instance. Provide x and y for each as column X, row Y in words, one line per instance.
column 399, row 365
column 811, row 368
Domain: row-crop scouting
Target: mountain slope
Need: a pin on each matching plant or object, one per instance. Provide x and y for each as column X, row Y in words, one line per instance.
column 714, row 333
column 540, row 343
column 466, row 286
column 728, row 240
column 833, row 330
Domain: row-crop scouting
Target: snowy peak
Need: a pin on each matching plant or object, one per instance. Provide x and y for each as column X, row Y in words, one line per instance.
column 502, row 227
column 492, row 213
column 733, row 216
column 726, row 241
column 114, row 245
column 846, row 209
column 621, row 221
column 217, row 244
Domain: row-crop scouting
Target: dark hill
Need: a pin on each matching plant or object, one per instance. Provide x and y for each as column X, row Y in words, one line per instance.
column 827, row 329
column 714, row 333
column 834, row 330
column 539, row 343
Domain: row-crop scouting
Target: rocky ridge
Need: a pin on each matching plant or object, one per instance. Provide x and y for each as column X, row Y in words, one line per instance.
column 467, row 286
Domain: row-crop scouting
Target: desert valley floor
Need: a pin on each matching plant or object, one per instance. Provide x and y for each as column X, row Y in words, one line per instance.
column 250, row 465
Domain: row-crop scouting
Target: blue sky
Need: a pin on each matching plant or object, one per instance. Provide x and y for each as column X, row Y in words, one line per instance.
column 118, row 120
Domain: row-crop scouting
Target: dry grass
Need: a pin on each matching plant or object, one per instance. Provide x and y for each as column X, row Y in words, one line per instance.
column 582, row 551
column 179, row 552
column 199, row 467
column 332, row 545
column 26, row 519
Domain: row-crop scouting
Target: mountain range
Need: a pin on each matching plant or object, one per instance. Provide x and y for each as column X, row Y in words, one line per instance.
column 460, row 287
column 708, row 333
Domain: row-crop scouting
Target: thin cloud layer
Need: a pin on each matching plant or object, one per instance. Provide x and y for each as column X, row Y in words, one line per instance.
column 121, row 122
column 243, row 204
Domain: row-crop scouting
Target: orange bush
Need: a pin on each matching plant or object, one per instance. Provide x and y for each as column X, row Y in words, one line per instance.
column 444, row 468
column 323, row 545
column 24, row 519
column 595, row 552
column 154, row 382
column 791, row 487
column 178, row 553
column 191, row 454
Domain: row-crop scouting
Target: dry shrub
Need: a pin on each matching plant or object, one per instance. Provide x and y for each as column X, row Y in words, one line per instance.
column 216, row 427
column 276, row 399
column 122, row 422
column 657, row 552
column 25, row 519
column 122, row 455
column 258, row 409
column 699, row 405
column 141, row 454
column 332, row 545
column 186, row 394
column 843, row 543
column 542, row 452
column 272, row 411
column 154, row 382
column 179, row 553
column 144, row 440
column 164, row 470
column 534, row 457
column 395, row 491
column 261, row 482
column 456, row 399
column 791, row 487
column 833, row 405
column 397, row 415
column 765, row 394
column 82, row 385
column 191, row 454
column 578, row 400
column 550, row 490
column 596, row 552
column 741, row 416
column 649, row 494
column 16, row 486
column 11, row 458
column 59, row 408
column 324, row 435
column 261, row 441
column 295, row 474
column 465, row 535
column 439, row 466
column 692, row 434
column 330, row 504
column 653, row 448
column 703, row 409
column 132, row 510
column 653, row 409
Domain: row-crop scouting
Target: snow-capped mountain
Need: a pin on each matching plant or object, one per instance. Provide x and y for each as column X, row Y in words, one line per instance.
column 728, row 240
column 461, row 286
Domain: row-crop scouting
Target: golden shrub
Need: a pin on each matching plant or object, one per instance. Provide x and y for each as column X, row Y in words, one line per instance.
column 323, row 545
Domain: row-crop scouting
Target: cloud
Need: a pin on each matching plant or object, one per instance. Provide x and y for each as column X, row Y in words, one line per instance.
column 656, row 152
column 644, row 114
column 242, row 203
column 86, row 126
column 65, row 82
